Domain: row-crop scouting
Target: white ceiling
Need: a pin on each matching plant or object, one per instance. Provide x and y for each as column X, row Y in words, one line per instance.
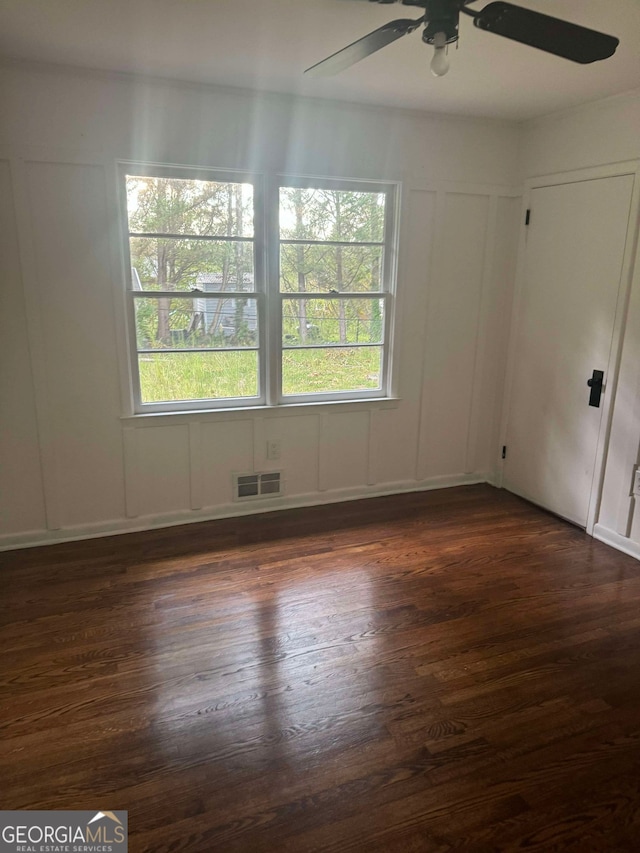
column 266, row 44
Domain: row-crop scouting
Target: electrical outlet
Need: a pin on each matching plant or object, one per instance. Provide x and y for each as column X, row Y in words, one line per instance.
column 273, row 449
column 636, row 482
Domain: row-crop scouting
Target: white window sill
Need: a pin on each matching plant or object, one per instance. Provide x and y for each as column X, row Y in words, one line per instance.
column 245, row 412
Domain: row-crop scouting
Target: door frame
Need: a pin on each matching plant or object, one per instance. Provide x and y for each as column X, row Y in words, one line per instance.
column 628, row 167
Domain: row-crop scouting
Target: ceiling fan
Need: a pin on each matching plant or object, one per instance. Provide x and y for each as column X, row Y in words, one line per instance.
column 441, row 29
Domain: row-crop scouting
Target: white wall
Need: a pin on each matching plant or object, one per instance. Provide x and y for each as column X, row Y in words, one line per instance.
column 606, row 132
column 72, row 465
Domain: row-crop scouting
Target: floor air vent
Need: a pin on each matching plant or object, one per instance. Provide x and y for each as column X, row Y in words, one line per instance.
column 248, row 486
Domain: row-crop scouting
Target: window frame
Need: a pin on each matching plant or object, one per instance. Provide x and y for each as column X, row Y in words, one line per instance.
column 269, row 298
column 388, row 282
column 136, row 169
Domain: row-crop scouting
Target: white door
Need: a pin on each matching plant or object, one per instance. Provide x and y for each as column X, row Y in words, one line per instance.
column 571, row 280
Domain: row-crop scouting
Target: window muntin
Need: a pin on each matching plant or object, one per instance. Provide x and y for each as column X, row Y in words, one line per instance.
column 207, row 330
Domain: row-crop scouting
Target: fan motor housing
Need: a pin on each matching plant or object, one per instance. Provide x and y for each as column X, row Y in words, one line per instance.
column 442, row 16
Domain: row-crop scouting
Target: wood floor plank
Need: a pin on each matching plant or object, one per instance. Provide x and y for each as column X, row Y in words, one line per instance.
column 440, row 671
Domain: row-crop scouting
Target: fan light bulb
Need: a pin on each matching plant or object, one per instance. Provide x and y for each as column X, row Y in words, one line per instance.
column 440, row 61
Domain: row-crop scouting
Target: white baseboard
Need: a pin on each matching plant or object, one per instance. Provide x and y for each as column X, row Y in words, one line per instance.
column 119, row 526
column 610, row 537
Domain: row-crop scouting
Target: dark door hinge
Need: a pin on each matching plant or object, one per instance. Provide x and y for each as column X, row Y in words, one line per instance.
column 527, row 218
column 504, row 451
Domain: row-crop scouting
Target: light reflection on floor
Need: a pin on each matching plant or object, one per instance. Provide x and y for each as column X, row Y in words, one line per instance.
column 230, row 702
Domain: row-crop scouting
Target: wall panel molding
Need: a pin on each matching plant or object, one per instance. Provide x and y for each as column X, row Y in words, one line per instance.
column 372, row 450
column 323, row 452
column 433, row 270
column 131, row 471
column 195, row 465
column 48, row 456
column 150, row 522
column 482, row 333
column 259, row 444
column 178, row 467
column 451, row 359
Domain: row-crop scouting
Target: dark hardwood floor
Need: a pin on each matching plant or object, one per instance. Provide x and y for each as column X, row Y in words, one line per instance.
column 451, row 670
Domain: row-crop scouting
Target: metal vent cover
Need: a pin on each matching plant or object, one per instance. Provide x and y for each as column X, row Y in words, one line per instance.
column 252, row 486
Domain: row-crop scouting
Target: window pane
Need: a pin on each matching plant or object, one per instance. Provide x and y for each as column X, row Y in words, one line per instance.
column 318, row 267
column 163, row 323
column 307, row 322
column 312, row 371
column 167, row 377
column 166, row 264
column 187, row 206
column 318, row 214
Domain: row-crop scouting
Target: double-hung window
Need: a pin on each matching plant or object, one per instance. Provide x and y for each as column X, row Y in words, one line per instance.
column 334, row 282
column 240, row 295
column 196, row 295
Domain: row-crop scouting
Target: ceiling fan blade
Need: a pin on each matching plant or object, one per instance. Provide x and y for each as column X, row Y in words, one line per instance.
column 546, row 33
column 364, row 47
